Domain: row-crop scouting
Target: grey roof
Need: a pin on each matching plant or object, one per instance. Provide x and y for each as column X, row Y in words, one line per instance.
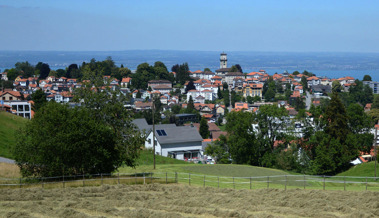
column 144, row 126
column 223, row 70
column 322, row 88
column 234, row 74
column 141, row 124
column 179, row 134
column 205, row 144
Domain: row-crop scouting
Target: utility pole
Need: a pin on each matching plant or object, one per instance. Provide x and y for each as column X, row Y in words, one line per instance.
column 153, row 111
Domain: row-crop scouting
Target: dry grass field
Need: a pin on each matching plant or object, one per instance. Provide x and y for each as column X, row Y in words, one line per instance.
column 175, row 200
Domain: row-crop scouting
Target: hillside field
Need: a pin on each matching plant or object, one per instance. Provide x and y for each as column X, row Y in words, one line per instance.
column 157, row 200
column 9, row 124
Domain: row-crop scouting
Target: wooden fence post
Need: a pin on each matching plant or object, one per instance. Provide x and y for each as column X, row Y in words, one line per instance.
column 20, row 182
column 285, row 187
column 176, row 177
column 344, row 183
column 304, row 181
column 324, row 182
column 102, row 182
column 234, row 185
column 83, row 180
column 118, row 178
column 151, row 178
column 204, row 181
column 135, row 178
column 189, row 178
column 366, row 183
column 43, row 183
column 63, row 182
column 166, row 177
column 218, row 182
column 250, row 182
column 268, row 182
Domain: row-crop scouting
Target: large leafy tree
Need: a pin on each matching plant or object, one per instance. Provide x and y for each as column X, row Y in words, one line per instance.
column 243, row 145
column 64, row 141
column 182, row 72
column 25, row 69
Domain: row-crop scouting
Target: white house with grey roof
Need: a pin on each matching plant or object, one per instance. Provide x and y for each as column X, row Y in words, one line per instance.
column 179, row 142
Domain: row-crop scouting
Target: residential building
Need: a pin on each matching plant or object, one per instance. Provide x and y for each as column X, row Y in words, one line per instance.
column 373, row 85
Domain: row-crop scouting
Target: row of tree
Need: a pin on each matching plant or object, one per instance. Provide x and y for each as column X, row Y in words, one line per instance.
column 333, row 136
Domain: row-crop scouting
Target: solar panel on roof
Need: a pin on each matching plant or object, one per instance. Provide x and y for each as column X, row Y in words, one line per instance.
column 163, row 132
column 159, row 132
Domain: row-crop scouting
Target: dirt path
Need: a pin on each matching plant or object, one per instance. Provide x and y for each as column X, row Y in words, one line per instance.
column 184, row 201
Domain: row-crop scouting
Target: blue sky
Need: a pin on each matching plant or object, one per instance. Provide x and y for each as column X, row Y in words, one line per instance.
column 212, row 25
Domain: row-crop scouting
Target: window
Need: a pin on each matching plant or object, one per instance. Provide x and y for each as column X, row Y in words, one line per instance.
column 26, row 107
column 149, row 141
column 10, row 98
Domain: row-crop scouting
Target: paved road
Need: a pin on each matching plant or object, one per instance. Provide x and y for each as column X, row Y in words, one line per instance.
column 6, row 160
column 308, row 100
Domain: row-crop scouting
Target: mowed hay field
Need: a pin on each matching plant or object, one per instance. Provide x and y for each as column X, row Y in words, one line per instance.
column 157, row 200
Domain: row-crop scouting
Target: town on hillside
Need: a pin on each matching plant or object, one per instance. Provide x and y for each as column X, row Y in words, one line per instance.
column 181, row 99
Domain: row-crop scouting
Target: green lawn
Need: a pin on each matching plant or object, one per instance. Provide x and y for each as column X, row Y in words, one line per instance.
column 361, row 170
column 222, row 128
column 9, row 123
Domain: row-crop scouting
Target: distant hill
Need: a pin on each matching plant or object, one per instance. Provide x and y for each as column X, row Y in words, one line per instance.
column 9, row 124
column 362, row 170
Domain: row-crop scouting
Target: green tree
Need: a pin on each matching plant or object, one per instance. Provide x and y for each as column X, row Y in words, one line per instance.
column 108, row 106
column 190, row 86
column 226, row 96
column 269, row 95
column 204, row 128
column 190, row 106
column 182, row 73
column 176, row 109
column 206, row 69
column 12, row 74
column 63, row 141
column 375, row 104
column 367, row 78
column 304, row 83
column 43, row 69
column 336, row 86
column 39, row 99
column 242, row 143
column 296, row 73
column 25, row 69
column 138, row 95
column 219, row 93
column 219, row 150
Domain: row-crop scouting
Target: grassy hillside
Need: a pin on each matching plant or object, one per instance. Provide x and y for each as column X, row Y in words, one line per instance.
column 362, row 170
column 9, row 123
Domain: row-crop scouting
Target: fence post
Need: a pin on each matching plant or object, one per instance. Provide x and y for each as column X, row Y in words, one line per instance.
column 234, row 185
column 218, row 182
column 324, row 182
column 304, row 181
column 144, row 182
column 118, row 178
column 250, row 182
column 166, row 177
column 268, row 182
column 176, row 177
column 189, row 178
column 366, row 183
column 101, row 178
column 63, row 182
column 43, row 183
column 344, row 183
column 285, row 187
column 204, row 181
column 135, row 178
column 83, row 180
column 151, row 178
column 20, row 182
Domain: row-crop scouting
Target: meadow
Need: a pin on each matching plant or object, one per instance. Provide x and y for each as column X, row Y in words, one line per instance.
column 176, row 200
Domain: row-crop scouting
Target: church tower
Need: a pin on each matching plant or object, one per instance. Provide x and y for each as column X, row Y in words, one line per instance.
column 223, row 60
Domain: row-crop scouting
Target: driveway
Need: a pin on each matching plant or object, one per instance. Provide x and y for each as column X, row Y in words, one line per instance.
column 6, row 160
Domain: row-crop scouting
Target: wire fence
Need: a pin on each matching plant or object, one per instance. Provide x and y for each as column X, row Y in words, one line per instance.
column 258, row 182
